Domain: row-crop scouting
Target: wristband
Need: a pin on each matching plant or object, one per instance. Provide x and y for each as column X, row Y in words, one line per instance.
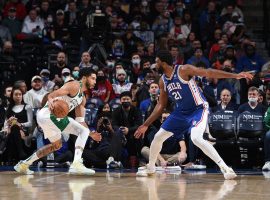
column 80, row 119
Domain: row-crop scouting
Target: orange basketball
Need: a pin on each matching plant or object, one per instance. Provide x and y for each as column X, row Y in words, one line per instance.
column 60, row 109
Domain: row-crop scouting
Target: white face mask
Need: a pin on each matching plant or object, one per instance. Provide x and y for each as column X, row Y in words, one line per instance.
column 136, row 61
column 49, row 19
column 144, row 3
column 110, row 64
column 253, row 100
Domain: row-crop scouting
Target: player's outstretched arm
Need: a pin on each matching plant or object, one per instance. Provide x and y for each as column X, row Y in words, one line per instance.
column 162, row 102
column 188, row 71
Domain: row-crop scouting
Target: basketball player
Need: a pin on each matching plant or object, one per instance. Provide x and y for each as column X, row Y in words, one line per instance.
column 191, row 109
column 72, row 93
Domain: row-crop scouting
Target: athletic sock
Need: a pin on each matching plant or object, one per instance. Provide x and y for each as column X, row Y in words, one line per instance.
column 31, row 159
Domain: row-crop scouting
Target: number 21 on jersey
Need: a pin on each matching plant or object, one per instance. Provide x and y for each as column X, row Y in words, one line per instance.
column 176, row 95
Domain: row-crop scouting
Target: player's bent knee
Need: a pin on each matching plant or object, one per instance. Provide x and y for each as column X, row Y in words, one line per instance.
column 195, row 136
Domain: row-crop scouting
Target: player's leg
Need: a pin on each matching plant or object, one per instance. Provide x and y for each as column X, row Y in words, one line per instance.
column 155, row 149
column 52, row 133
column 82, row 132
column 197, row 138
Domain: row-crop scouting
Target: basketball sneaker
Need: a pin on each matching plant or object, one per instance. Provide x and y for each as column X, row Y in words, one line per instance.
column 22, row 167
column 228, row 173
column 146, row 171
column 78, row 168
column 266, row 166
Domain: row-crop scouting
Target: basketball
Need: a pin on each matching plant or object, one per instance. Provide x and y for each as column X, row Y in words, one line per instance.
column 61, row 109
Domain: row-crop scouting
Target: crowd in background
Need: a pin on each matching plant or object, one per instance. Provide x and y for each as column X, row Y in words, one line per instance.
column 121, row 49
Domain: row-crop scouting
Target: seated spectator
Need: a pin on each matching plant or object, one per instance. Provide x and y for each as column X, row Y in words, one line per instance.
column 34, row 96
column 163, row 23
column 75, row 72
column 47, row 84
column 198, row 57
column 12, row 23
column 8, row 54
column 121, row 84
column 154, row 93
column 66, row 75
column 178, row 59
column 59, row 29
column 179, row 28
column 19, row 118
column 125, row 120
column 225, row 101
column 86, row 61
column 4, row 103
column 103, row 88
column 45, row 11
column 251, row 61
column 32, row 25
column 20, row 9
column 173, row 152
column 252, row 105
column 108, row 150
column 56, row 69
column 5, row 35
column 145, row 67
column 135, row 67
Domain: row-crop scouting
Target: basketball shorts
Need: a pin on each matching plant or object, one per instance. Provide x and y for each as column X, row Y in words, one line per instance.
column 53, row 127
column 179, row 123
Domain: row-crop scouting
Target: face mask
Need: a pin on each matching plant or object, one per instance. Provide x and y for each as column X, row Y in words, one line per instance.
column 45, row 79
column 100, row 78
column 65, row 78
column 252, row 100
column 126, row 104
column 75, row 74
column 49, row 19
column 136, row 61
column 110, row 64
column 144, row 3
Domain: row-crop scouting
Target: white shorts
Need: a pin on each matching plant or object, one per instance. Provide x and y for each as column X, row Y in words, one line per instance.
column 53, row 127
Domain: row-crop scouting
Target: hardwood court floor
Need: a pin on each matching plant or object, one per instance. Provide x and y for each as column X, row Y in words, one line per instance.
column 59, row 185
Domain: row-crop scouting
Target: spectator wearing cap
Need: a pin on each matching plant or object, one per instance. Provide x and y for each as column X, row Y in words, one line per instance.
column 20, row 9
column 251, row 61
column 32, row 24
column 86, row 61
column 121, row 84
column 34, row 96
column 66, row 75
column 47, row 84
column 12, row 23
column 60, row 29
column 198, row 57
column 125, row 120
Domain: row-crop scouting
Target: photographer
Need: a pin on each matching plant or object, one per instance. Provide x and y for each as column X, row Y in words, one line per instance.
column 109, row 148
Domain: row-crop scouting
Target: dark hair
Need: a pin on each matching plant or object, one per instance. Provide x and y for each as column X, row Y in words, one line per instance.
column 126, row 93
column 18, row 83
column 12, row 102
column 86, row 71
column 165, row 56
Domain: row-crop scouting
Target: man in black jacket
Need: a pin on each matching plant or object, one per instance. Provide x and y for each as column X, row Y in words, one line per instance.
column 126, row 119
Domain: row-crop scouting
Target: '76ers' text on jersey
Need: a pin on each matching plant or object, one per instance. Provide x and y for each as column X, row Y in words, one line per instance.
column 186, row 94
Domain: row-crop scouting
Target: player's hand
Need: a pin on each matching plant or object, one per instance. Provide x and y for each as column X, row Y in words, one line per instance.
column 95, row 136
column 140, row 132
column 51, row 104
column 245, row 75
column 182, row 157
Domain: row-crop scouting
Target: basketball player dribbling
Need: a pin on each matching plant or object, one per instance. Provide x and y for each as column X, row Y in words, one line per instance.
column 72, row 93
column 190, row 113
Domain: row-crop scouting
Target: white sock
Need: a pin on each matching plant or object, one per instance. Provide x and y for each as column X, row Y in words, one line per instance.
column 156, row 146
column 78, row 154
column 31, row 159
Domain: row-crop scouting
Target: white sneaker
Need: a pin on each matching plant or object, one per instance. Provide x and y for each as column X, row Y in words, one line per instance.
column 145, row 171
column 22, row 167
column 228, row 173
column 266, row 166
column 78, row 168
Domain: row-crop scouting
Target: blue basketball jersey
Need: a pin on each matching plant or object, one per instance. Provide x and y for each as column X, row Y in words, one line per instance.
column 186, row 94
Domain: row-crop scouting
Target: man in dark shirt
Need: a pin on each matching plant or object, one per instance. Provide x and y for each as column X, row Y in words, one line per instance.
column 126, row 119
column 56, row 70
column 252, row 105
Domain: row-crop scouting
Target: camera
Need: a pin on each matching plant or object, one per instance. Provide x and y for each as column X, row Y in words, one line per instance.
column 106, row 121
